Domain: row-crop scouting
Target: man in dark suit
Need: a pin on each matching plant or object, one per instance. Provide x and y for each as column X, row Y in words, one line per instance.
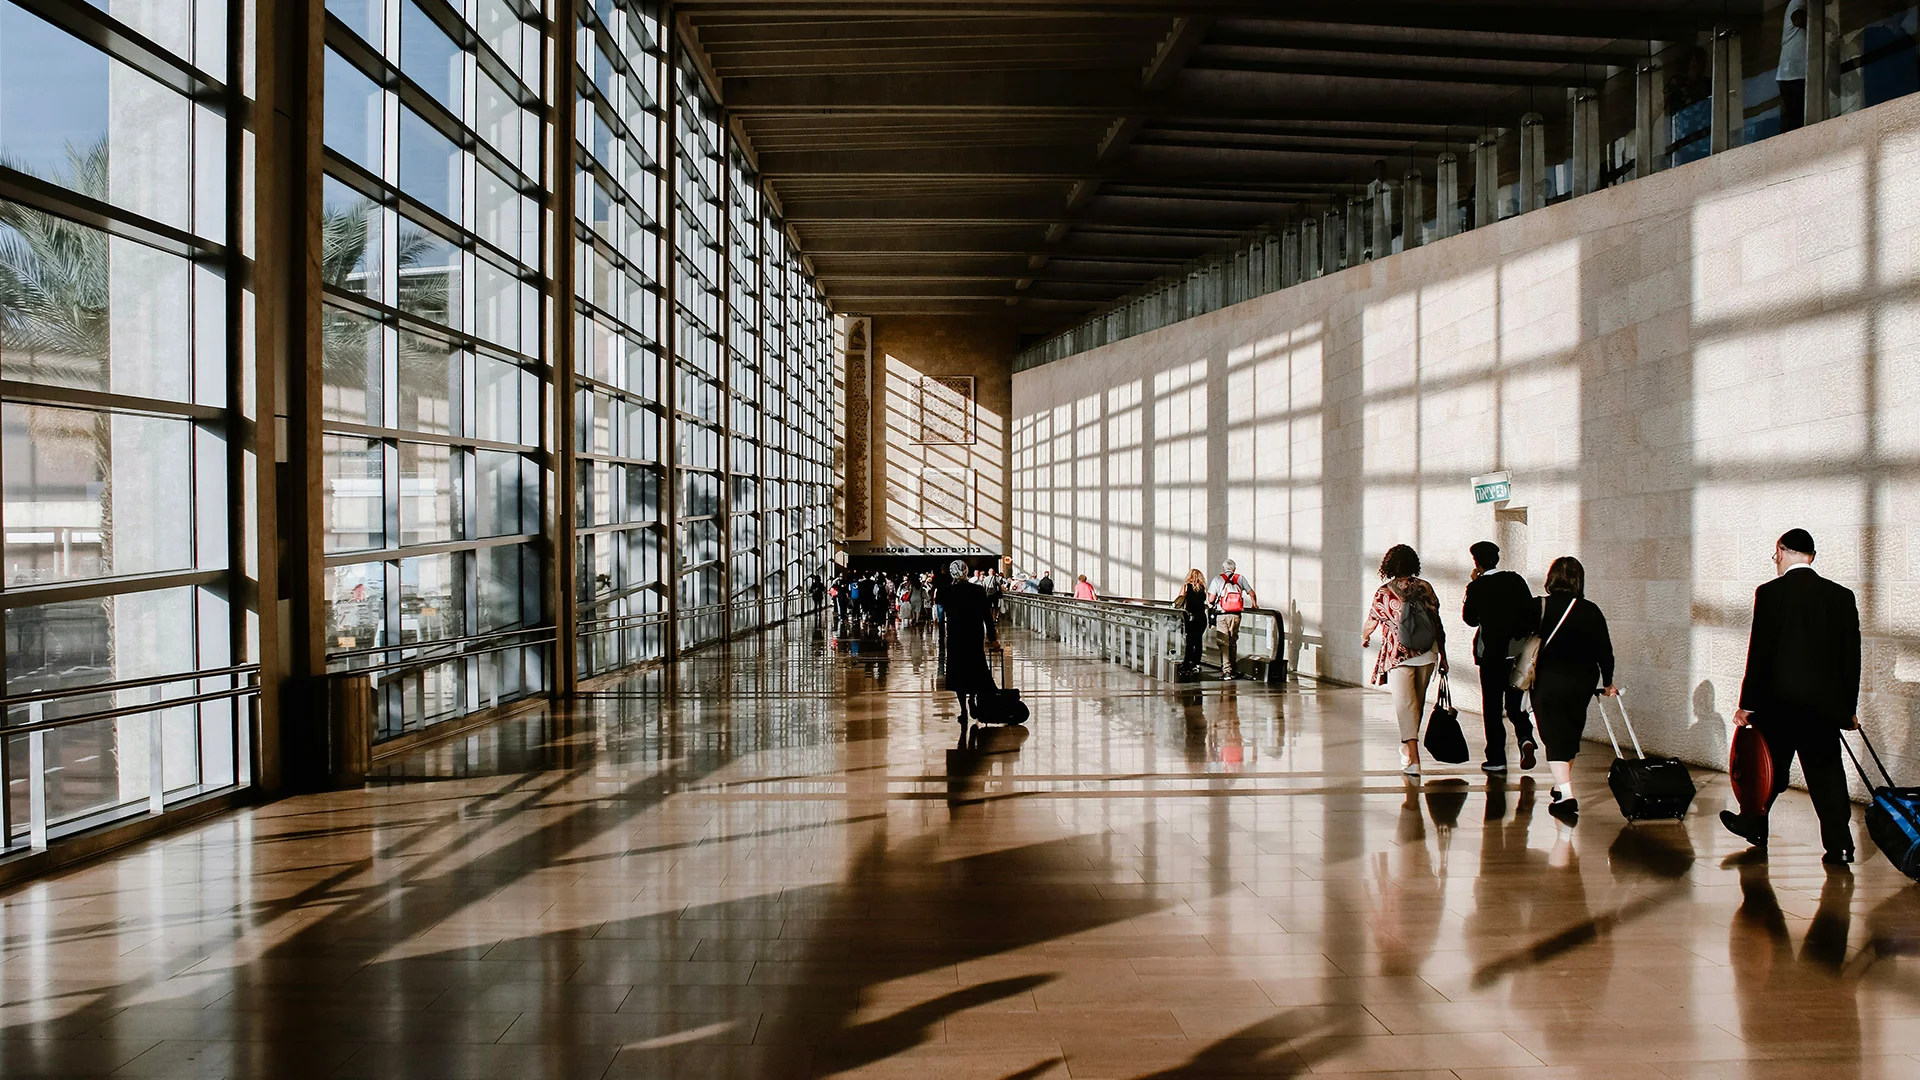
column 1501, row 605
column 1802, row 689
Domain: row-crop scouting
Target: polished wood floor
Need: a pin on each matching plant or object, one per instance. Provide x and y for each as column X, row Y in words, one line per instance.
column 782, row 864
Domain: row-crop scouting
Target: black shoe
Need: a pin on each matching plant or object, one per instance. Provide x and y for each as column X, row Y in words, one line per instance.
column 1737, row 825
column 1567, row 810
column 1526, row 756
column 1838, row 858
column 1494, row 767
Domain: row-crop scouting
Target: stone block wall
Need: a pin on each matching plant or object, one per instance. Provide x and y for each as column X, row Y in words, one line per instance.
column 1674, row 371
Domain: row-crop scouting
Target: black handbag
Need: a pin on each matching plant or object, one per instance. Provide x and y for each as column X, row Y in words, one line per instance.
column 1444, row 740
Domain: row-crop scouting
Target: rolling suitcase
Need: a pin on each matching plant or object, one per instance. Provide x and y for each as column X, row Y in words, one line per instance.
column 1645, row 787
column 1001, row 705
column 1893, row 817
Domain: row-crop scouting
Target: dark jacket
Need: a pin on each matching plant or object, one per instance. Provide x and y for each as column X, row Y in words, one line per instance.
column 969, row 628
column 1579, row 659
column 1503, row 607
column 1803, row 660
column 1046, row 585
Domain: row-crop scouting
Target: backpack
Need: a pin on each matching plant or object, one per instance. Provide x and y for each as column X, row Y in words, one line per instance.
column 1418, row 628
column 1233, row 596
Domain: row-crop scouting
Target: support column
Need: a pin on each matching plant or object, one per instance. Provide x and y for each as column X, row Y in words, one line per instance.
column 1446, row 196
column 1357, row 228
column 1312, row 252
column 1382, row 218
column 1533, row 162
column 1729, row 98
column 1332, row 232
column 1818, row 20
column 1649, row 119
column 1586, row 141
column 1413, row 210
column 563, row 587
column 1486, row 181
column 1289, row 255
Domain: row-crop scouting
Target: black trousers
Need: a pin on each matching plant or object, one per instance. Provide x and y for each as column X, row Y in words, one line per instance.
column 1196, row 630
column 1502, row 703
column 1793, row 103
column 1819, row 748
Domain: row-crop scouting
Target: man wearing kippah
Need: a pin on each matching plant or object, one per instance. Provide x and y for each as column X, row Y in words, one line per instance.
column 1802, row 688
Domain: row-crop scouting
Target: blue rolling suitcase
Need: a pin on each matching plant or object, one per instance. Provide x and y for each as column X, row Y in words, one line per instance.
column 1893, row 815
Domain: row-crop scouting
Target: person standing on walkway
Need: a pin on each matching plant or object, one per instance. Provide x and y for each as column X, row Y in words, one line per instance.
column 1083, row 589
column 1413, row 642
column 1046, row 583
column 1802, row 688
column 1574, row 664
column 1230, row 594
column 1192, row 602
column 817, row 592
column 1501, row 606
column 969, row 630
column 1790, row 74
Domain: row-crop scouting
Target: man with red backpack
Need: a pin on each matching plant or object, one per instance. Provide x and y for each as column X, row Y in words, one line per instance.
column 1230, row 594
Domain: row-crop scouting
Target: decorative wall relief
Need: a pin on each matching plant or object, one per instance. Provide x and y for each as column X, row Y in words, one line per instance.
column 947, row 497
column 856, row 489
column 946, row 415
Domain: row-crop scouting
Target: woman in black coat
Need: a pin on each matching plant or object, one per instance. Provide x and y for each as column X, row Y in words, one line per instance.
column 1575, row 663
column 969, row 629
column 1192, row 603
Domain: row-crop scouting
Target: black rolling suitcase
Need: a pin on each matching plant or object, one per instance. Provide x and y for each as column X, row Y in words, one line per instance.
column 1001, row 705
column 1893, row 815
column 1645, row 787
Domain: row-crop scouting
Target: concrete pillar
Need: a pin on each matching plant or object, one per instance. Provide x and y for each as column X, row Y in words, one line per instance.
column 1446, row 196
column 1729, row 98
column 1272, row 263
column 1413, row 211
column 1649, row 119
column 1312, row 252
column 1586, row 141
column 1486, row 180
column 1382, row 218
column 1818, row 20
column 1332, row 233
column 1290, row 256
column 1357, row 228
column 1533, row 162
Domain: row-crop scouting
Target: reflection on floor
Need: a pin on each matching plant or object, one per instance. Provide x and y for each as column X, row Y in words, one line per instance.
column 784, row 862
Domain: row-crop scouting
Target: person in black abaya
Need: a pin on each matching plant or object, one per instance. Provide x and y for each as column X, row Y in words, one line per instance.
column 969, row 630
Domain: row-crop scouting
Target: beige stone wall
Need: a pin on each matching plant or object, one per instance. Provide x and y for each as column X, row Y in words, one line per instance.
column 1675, row 371
column 917, row 485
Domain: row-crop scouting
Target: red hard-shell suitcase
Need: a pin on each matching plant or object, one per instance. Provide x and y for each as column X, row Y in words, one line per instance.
column 1750, row 768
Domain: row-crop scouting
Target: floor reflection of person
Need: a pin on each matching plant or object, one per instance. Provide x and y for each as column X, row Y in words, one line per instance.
column 1777, row 991
column 1410, row 888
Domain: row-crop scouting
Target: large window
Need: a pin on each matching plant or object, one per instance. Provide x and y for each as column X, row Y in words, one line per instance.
column 434, row 359
column 115, row 362
column 619, row 505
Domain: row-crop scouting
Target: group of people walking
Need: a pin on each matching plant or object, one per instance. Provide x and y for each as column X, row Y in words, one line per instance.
column 1800, row 689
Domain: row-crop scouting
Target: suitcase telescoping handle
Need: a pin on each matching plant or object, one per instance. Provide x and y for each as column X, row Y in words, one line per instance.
column 1868, row 743
column 1620, row 699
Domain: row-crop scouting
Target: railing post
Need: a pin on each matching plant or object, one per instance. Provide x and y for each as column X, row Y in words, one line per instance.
column 156, row 756
column 36, row 781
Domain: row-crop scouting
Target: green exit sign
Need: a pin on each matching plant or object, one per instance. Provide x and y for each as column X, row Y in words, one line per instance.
column 1497, row 487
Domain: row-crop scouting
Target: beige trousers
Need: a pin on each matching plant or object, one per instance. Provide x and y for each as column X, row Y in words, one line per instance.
column 1409, row 688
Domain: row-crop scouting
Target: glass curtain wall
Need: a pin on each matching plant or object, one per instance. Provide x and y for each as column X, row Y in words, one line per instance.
column 699, row 470
column 116, row 362
column 434, row 365
column 746, row 479
column 619, row 415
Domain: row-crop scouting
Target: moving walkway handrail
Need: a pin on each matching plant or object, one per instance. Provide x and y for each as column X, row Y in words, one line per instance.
column 492, row 635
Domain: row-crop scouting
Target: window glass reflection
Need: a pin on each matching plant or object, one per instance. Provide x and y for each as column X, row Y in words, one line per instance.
column 353, row 501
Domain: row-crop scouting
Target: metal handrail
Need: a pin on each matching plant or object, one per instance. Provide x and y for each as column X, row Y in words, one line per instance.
column 491, row 635
column 158, row 705
column 393, row 669
column 127, row 684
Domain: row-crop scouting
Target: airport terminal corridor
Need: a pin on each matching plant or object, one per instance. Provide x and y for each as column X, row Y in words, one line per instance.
column 780, row 859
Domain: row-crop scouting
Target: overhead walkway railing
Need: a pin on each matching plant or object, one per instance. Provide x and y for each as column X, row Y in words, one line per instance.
column 73, row 757
column 1143, row 635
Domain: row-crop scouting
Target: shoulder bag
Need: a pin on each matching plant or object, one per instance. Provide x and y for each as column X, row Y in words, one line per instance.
column 1528, row 660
